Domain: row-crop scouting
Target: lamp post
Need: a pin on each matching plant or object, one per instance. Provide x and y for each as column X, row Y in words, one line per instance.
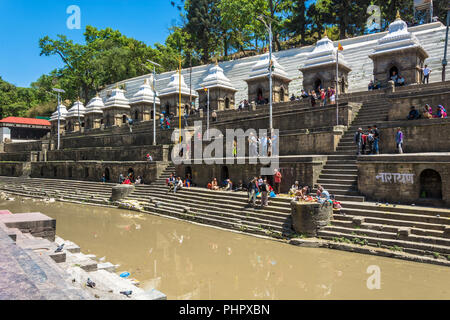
column 59, row 91
column 154, row 99
column 269, row 29
column 444, row 61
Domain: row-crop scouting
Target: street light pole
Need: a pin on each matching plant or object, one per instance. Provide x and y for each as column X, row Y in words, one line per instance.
column 444, row 61
column 59, row 113
column 269, row 28
column 154, row 99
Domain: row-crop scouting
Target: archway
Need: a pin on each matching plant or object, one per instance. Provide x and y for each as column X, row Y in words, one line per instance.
column 282, row 94
column 343, row 85
column 317, row 85
column 260, row 95
column 55, row 171
column 227, row 103
column 430, row 184
column 167, row 110
column 224, row 174
column 188, row 171
column 392, row 70
column 107, row 175
column 70, row 172
column 42, row 171
column 86, row 172
column 136, row 115
column 124, row 119
column 131, row 174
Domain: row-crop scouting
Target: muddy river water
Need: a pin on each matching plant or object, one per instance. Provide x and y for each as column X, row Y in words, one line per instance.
column 187, row 261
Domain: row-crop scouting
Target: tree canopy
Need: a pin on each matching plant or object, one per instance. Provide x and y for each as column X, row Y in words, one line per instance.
column 208, row 30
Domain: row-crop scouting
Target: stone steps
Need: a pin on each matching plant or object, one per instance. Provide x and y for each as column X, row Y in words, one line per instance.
column 393, row 244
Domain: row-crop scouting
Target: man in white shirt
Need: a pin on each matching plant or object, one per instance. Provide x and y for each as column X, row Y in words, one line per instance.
column 426, row 74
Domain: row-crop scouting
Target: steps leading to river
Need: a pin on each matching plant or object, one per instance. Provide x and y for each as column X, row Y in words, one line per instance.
column 417, row 230
column 340, row 174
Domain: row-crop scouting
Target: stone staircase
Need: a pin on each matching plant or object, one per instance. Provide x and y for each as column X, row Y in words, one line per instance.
column 416, row 230
column 412, row 229
column 225, row 209
column 29, row 275
column 340, row 174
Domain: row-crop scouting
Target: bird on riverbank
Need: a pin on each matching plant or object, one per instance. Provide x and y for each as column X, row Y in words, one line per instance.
column 59, row 249
column 126, row 293
column 90, row 283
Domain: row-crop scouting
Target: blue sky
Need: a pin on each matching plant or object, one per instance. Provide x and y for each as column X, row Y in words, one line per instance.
column 24, row 22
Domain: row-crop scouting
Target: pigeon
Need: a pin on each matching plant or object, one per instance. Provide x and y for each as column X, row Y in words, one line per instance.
column 126, row 293
column 90, row 283
column 59, row 249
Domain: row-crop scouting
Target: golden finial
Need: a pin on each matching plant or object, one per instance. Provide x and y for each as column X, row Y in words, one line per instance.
column 216, row 63
column 96, row 94
column 398, row 17
column 117, row 85
column 325, row 34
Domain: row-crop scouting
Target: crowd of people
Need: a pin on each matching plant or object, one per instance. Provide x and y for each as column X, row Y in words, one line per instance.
column 319, row 96
column 427, row 113
column 367, row 142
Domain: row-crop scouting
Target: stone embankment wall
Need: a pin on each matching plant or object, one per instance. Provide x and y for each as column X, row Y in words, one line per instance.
column 93, row 170
column 424, row 135
column 305, row 169
column 405, row 178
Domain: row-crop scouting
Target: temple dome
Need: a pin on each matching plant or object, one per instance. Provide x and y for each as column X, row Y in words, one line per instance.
column 63, row 111
column 174, row 87
column 117, row 100
column 77, row 109
column 216, row 78
column 145, row 94
column 96, row 105
column 398, row 38
column 261, row 68
column 324, row 53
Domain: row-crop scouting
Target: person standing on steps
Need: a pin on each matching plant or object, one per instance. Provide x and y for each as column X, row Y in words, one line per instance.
column 277, row 181
column 376, row 140
column 426, row 74
column 252, row 191
column 264, row 189
column 358, row 141
column 399, row 140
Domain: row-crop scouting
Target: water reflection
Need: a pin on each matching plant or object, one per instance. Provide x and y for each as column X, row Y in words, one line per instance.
column 187, row 261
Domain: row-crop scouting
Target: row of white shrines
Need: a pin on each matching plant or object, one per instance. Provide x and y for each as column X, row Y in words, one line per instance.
column 397, row 52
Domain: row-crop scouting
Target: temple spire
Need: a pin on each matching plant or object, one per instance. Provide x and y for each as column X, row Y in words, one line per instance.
column 398, row 17
column 325, row 34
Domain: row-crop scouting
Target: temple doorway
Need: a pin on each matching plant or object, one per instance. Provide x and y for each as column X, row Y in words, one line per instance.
column 282, row 94
column 392, row 71
column 317, row 85
column 430, row 185
column 107, row 175
column 225, row 174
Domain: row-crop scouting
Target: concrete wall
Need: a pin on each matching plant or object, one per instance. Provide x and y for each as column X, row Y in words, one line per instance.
column 322, row 142
column 401, row 103
column 11, row 169
column 427, row 135
column 395, row 190
column 130, row 153
column 24, row 146
column 93, row 170
column 306, row 170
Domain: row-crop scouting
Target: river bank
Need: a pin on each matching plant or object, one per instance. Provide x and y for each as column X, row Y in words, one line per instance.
column 188, row 261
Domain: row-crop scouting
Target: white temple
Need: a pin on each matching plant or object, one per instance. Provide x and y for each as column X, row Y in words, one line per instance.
column 261, row 68
column 145, row 94
column 216, row 78
column 174, row 87
column 96, row 105
column 63, row 113
column 77, row 109
column 324, row 54
column 117, row 100
column 397, row 39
